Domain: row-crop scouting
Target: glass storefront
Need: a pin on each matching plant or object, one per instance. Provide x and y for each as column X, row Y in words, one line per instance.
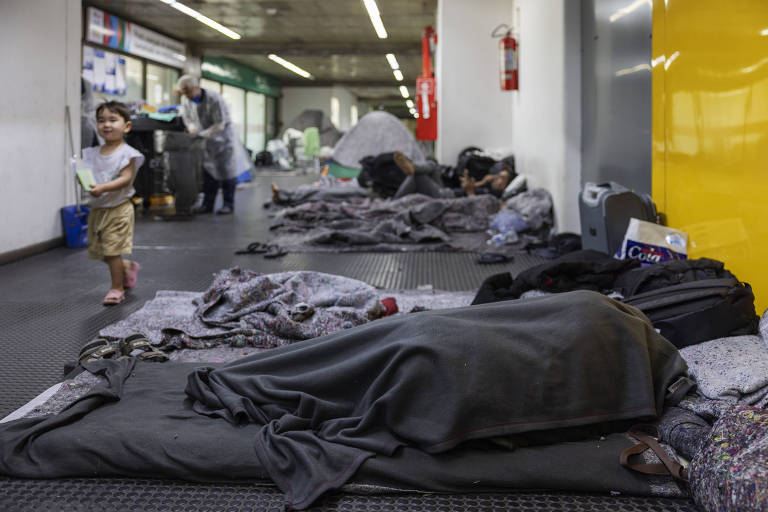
column 271, row 118
column 235, row 100
column 113, row 76
column 211, row 85
column 255, row 109
column 161, row 83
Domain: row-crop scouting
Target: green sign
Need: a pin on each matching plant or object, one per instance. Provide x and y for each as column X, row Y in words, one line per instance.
column 230, row 72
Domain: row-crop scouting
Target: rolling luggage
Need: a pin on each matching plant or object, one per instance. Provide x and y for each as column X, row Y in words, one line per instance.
column 605, row 210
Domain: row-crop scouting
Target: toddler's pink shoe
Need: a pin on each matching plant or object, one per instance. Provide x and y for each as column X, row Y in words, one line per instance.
column 131, row 275
column 114, row 297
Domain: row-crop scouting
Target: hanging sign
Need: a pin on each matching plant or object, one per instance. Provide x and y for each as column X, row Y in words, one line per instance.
column 115, row 32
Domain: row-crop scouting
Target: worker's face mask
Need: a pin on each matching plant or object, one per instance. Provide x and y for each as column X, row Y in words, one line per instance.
column 196, row 98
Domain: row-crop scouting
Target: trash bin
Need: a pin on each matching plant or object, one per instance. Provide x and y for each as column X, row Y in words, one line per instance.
column 75, row 222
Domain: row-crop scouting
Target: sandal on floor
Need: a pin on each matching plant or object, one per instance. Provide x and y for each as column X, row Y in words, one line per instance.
column 131, row 276
column 254, row 248
column 138, row 346
column 97, row 348
column 274, row 251
column 114, row 297
column 490, row 258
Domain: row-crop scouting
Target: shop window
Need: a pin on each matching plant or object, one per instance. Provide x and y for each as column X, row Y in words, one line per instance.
column 271, row 118
column 255, row 131
column 112, row 76
column 161, row 85
column 234, row 97
column 211, row 85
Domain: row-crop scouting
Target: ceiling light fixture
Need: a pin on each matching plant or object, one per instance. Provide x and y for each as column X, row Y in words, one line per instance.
column 373, row 13
column 409, row 103
column 202, row 18
column 392, row 61
column 404, row 91
column 398, row 74
column 289, row 65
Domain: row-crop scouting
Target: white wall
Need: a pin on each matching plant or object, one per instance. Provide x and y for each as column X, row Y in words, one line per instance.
column 346, row 99
column 40, row 63
column 471, row 108
column 297, row 99
column 547, row 108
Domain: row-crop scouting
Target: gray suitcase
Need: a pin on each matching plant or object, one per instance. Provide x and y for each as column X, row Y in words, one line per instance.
column 605, row 210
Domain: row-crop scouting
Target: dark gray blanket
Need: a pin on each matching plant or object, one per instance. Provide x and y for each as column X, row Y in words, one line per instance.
column 442, row 397
column 538, row 371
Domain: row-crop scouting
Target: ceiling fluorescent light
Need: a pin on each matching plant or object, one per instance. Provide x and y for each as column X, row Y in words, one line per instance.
column 398, row 74
column 409, row 103
column 202, row 18
column 404, row 91
column 373, row 13
column 392, row 61
column 289, row 65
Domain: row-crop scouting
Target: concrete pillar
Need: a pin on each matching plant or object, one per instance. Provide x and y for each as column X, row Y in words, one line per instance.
column 547, row 108
column 472, row 110
column 41, row 62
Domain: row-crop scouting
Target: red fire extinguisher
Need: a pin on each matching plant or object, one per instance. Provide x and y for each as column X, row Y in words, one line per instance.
column 508, row 59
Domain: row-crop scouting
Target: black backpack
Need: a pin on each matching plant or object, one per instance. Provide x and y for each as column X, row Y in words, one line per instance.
column 474, row 161
column 690, row 301
column 381, row 173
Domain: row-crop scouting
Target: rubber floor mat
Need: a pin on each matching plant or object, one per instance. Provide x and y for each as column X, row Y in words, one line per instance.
column 119, row 495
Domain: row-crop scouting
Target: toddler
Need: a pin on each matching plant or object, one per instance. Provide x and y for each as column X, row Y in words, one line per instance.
column 110, row 224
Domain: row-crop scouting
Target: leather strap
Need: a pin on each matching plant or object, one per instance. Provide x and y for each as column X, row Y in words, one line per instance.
column 667, row 466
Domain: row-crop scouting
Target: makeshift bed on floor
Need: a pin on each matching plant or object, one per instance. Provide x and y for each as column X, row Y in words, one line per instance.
column 515, row 395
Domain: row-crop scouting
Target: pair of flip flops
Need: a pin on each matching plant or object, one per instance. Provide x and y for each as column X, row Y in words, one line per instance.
column 135, row 345
column 267, row 250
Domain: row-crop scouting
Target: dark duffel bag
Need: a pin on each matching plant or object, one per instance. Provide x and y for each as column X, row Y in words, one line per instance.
column 669, row 273
column 697, row 311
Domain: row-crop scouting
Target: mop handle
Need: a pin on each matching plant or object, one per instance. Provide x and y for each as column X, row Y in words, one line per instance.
column 68, row 119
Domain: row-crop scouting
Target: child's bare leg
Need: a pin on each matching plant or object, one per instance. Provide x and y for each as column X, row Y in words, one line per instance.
column 116, row 271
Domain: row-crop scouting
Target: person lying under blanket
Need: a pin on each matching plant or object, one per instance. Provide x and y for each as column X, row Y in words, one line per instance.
column 425, row 179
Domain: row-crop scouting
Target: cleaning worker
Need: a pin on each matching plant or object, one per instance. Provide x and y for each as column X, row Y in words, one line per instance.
column 205, row 113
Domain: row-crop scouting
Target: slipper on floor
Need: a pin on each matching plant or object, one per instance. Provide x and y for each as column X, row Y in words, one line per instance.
column 131, row 275
column 275, row 251
column 138, row 346
column 493, row 257
column 254, row 248
column 114, row 297
column 97, row 348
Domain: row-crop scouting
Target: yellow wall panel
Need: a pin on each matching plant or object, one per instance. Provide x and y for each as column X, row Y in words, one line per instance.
column 710, row 130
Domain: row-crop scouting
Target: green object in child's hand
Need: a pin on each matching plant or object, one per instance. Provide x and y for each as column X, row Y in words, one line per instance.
column 86, row 178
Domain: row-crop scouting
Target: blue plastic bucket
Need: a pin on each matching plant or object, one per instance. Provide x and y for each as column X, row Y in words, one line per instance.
column 75, row 222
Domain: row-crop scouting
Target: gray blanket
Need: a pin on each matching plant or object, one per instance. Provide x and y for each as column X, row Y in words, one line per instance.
column 414, row 223
column 534, row 372
column 733, row 369
column 247, row 308
column 251, row 310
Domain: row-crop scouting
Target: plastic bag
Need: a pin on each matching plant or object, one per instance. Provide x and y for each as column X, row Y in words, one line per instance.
column 652, row 243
